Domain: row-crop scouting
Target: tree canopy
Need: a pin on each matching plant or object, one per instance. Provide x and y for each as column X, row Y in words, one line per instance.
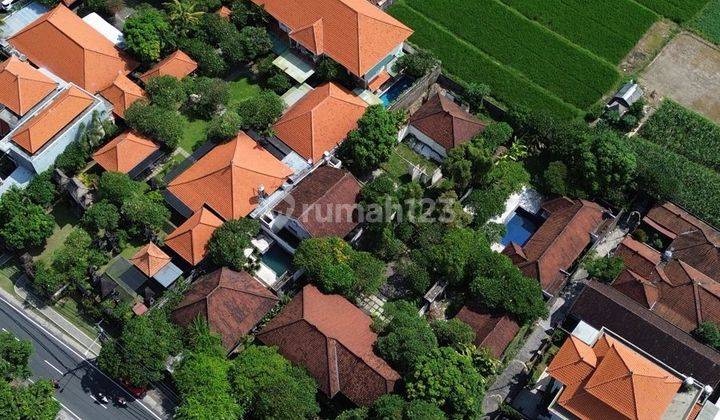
column 373, row 141
column 147, row 33
column 228, row 242
column 406, row 337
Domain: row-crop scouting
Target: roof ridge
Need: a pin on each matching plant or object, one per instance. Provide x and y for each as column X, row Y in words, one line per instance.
column 564, row 228
column 326, row 192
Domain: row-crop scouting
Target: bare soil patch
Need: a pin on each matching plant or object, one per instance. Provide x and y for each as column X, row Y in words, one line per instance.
column 648, row 46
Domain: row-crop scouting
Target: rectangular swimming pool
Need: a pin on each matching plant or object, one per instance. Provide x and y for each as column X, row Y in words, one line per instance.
column 519, row 228
column 277, row 259
column 397, row 88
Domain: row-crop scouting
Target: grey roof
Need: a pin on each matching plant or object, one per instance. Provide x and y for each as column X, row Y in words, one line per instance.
column 629, row 93
column 167, row 275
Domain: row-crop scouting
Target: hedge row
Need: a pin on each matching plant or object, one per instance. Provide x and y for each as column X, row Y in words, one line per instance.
column 697, row 187
column 685, row 132
column 677, row 10
column 572, row 74
column 608, row 28
column 469, row 64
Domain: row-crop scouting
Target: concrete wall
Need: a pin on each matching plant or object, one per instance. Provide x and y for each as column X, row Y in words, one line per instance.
column 417, row 92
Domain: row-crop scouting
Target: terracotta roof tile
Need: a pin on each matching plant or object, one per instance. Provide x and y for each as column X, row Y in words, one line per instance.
column 493, row 331
column 377, row 82
column 232, row 303
column 224, row 11
column 41, row 128
column 327, row 192
column 354, row 33
column 320, row 120
column 125, row 152
column 22, row 86
column 332, row 338
column 190, row 239
column 558, row 242
column 150, row 259
column 122, row 93
column 612, row 382
column 227, row 178
column 177, row 64
column 66, row 45
column 446, row 122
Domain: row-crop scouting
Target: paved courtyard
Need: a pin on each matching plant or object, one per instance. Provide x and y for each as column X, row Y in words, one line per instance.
column 687, row 71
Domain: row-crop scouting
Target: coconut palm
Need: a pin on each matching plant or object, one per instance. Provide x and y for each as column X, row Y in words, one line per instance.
column 183, row 14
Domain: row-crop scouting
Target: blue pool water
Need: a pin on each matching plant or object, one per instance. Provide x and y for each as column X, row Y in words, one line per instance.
column 277, row 259
column 520, row 228
column 395, row 90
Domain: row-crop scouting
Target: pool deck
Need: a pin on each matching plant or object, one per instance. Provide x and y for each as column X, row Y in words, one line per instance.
column 528, row 199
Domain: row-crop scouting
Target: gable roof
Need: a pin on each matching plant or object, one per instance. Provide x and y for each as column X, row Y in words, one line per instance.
column 558, row 242
column 493, row 330
column 332, row 338
column 232, row 303
column 446, row 122
column 326, row 192
column 22, row 86
column 671, row 288
column 125, row 152
column 150, row 259
column 122, row 93
column 177, row 64
column 190, row 238
column 600, row 305
column 354, row 33
column 66, row 45
column 41, row 128
column 610, row 380
column 320, row 120
column 693, row 241
column 227, row 178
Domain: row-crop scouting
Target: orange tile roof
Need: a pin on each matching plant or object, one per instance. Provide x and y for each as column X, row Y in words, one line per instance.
column 66, row 45
column 190, row 238
column 125, row 152
column 177, row 64
column 150, row 259
column 22, row 86
column 224, row 11
column 377, row 82
column 320, row 120
column 611, row 380
column 41, row 128
column 122, row 93
column 228, row 177
column 355, row 33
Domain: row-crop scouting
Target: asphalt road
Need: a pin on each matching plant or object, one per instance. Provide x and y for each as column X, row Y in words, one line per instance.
column 79, row 379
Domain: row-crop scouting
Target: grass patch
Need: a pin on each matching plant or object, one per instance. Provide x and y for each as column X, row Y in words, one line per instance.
column 707, row 22
column 9, row 273
column 571, row 73
column 541, row 364
column 403, row 155
column 465, row 62
column 67, row 307
column 194, row 135
column 66, row 219
column 241, row 90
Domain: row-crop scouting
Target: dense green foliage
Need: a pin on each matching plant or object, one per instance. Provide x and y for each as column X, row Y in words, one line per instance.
column 102, row 216
column 335, row 267
column 161, row 124
column 406, row 337
column 453, row 333
column 138, row 355
column 685, row 132
column 678, row 11
column 708, row 333
column 449, row 380
column 669, row 176
column 207, row 96
column 41, row 190
column 579, row 78
column 147, row 33
column 608, row 28
column 14, row 355
column 166, row 91
column 23, row 224
column 268, row 386
column 222, row 128
column 604, row 268
column 465, row 61
column 707, row 22
column 416, row 65
column 227, row 245
column 373, row 141
column 261, row 111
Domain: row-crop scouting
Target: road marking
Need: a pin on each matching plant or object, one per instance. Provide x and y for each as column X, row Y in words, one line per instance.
column 49, row 334
column 96, row 400
column 67, row 409
column 56, row 369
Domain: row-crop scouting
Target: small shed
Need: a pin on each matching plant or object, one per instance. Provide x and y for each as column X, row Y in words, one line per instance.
column 628, row 94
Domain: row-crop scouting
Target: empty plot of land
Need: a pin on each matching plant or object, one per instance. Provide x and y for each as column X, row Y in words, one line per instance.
column 687, row 71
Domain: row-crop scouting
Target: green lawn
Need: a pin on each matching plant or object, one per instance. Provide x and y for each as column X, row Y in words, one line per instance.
column 9, row 272
column 65, row 221
column 241, row 90
column 67, row 307
column 403, row 155
column 194, row 135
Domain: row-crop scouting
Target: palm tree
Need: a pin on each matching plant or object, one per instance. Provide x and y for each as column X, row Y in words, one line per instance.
column 182, row 14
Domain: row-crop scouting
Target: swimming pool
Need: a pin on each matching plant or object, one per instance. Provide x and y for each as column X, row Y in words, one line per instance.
column 277, row 259
column 396, row 89
column 519, row 228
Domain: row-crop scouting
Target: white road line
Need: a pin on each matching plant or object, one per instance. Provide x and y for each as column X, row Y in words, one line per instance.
column 43, row 329
column 96, row 400
column 56, row 369
column 67, row 409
